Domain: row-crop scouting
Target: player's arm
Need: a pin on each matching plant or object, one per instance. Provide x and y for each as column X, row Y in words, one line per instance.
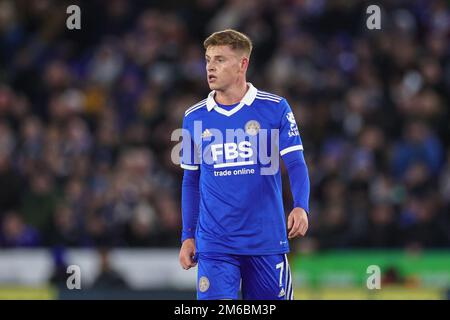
column 190, row 199
column 291, row 151
column 300, row 188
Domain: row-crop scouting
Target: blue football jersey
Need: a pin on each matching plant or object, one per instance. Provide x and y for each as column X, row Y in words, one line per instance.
column 237, row 150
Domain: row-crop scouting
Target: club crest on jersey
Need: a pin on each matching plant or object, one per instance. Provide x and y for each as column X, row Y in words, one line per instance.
column 252, row 127
column 203, row 284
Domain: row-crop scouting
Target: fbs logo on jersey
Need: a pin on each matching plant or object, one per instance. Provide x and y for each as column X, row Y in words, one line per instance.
column 203, row 284
column 206, row 134
column 232, row 150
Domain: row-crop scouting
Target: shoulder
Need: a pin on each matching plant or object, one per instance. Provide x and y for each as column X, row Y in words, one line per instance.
column 265, row 96
column 194, row 109
column 275, row 103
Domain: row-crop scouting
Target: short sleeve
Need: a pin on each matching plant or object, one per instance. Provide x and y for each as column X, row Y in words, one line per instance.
column 289, row 134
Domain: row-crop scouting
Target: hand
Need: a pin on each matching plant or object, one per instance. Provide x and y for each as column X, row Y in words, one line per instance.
column 297, row 223
column 187, row 253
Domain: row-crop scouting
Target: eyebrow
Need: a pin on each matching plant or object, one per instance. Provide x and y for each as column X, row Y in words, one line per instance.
column 218, row 56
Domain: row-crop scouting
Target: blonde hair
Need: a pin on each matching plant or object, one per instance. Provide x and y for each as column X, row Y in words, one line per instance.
column 229, row 37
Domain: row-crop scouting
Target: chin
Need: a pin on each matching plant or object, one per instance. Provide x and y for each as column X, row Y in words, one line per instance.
column 213, row 86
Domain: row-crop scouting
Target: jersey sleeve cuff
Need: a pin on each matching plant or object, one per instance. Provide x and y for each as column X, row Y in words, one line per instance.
column 188, row 166
column 304, row 206
column 187, row 235
column 290, row 149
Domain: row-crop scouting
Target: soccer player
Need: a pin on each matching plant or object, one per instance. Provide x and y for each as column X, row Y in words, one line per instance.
column 234, row 223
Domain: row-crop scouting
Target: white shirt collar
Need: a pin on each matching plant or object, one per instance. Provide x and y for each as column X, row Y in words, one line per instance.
column 248, row 98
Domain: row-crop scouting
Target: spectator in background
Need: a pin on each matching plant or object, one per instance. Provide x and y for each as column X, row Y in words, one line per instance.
column 421, row 223
column 10, row 185
column 16, row 234
column 39, row 201
column 64, row 229
column 334, row 231
column 108, row 278
column 383, row 230
column 419, row 144
column 141, row 230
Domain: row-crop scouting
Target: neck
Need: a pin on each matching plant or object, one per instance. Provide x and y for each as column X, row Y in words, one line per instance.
column 231, row 95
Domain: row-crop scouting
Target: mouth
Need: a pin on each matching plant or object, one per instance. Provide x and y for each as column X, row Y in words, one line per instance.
column 212, row 78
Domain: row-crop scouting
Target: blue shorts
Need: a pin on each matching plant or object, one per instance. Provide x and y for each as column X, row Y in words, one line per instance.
column 220, row 276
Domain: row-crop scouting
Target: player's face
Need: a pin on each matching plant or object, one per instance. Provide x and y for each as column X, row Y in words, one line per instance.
column 224, row 67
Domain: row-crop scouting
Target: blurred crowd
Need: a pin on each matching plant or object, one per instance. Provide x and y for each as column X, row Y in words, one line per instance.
column 86, row 116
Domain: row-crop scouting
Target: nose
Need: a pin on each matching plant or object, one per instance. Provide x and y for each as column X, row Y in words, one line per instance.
column 210, row 67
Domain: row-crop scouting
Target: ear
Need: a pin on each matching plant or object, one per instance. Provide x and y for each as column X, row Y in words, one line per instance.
column 244, row 63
